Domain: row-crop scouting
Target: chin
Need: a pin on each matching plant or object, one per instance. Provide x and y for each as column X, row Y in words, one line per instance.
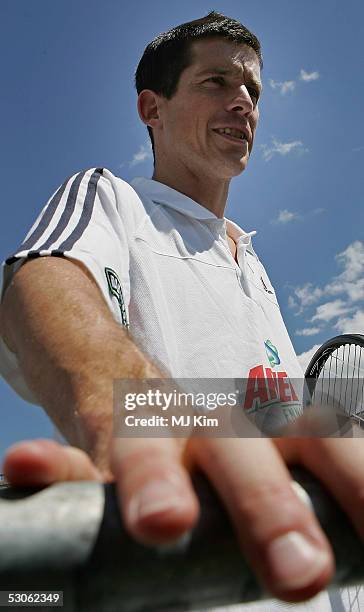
column 238, row 167
column 226, row 169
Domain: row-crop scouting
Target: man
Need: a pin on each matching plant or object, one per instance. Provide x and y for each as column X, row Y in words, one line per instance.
column 160, row 257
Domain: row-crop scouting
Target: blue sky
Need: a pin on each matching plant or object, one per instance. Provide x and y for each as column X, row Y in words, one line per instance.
column 68, row 103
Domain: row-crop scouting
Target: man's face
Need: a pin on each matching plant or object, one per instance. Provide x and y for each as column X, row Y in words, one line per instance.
column 208, row 126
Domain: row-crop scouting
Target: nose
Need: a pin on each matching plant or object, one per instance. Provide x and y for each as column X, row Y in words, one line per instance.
column 241, row 102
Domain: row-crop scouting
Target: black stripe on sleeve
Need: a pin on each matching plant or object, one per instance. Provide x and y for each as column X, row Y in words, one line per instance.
column 45, row 220
column 66, row 215
column 86, row 214
column 11, row 260
column 43, row 223
column 30, row 255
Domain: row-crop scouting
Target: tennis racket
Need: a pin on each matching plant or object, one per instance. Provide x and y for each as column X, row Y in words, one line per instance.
column 335, row 374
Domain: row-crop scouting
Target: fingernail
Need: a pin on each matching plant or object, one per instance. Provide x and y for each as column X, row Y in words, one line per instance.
column 157, row 496
column 302, row 493
column 295, row 561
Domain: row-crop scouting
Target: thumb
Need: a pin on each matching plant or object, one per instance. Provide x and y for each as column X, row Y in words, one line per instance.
column 44, row 462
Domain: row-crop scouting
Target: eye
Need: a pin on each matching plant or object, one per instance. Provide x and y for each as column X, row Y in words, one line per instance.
column 254, row 94
column 216, row 79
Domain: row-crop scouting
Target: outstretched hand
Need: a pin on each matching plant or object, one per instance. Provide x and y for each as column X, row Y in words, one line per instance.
column 277, row 531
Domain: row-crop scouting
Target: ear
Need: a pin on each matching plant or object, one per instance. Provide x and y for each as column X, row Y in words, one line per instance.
column 148, row 108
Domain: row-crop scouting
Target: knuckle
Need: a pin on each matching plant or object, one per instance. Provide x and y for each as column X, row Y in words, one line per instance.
column 270, row 508
column 141, row 465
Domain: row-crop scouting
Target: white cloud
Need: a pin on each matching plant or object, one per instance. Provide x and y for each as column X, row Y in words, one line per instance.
column 286, row 86
column 330, row 310
column 292, row 302
column 281, row 148
column 354, row 290
column 307, row 295
column 305, row 358
column 285, row 216
column 352, row 260
column 309, row 76
column 283, row 86
column 345, row 314
column 349, row 283
column 145, row 152
column 308, row 331
column 351, row 279
column 351, row 325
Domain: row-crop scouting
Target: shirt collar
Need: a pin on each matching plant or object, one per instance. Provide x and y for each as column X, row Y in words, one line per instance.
column 236, row 233
column 240, row 237
column 162, row 194
column 158, row 192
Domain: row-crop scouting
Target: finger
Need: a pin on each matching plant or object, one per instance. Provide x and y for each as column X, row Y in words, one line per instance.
column 319, row 421
column 43, row 462
column 338, row 462
column 156, row 496
column 289, row 449
column 278, row 532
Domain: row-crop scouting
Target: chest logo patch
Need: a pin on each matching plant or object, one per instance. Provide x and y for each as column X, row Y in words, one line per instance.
column 116, row 291
column 265, row 286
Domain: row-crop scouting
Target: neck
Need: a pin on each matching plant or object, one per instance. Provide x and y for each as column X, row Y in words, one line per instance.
column 208, row 191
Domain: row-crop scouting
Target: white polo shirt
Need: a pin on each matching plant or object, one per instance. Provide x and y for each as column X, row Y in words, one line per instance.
column 163, row 264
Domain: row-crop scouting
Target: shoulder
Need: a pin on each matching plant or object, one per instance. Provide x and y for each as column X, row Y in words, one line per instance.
column 98, row 191
column 103, row 184
column 104, row 179
column 129, row 203
column 99, row 177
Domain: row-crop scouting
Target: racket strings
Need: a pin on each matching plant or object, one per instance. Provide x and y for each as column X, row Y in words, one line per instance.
column 352, row 598
column 341, row 380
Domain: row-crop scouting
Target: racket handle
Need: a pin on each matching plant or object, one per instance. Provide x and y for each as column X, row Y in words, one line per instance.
column 69, row 537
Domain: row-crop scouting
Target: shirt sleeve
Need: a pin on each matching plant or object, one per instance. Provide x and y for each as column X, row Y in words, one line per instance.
column 82, row 221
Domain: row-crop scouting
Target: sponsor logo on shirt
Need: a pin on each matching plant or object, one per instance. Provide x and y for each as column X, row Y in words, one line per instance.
column 268, row 387
column 116, row 291
column 264, row 386
column 272, row 353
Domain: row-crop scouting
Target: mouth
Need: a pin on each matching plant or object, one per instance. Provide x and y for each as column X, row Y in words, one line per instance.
column 233, row 135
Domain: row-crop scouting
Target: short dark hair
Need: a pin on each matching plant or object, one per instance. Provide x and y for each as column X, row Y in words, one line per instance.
column 169, row 54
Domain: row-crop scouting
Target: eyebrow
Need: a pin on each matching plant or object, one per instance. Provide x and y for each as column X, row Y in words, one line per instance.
column 226, row 72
